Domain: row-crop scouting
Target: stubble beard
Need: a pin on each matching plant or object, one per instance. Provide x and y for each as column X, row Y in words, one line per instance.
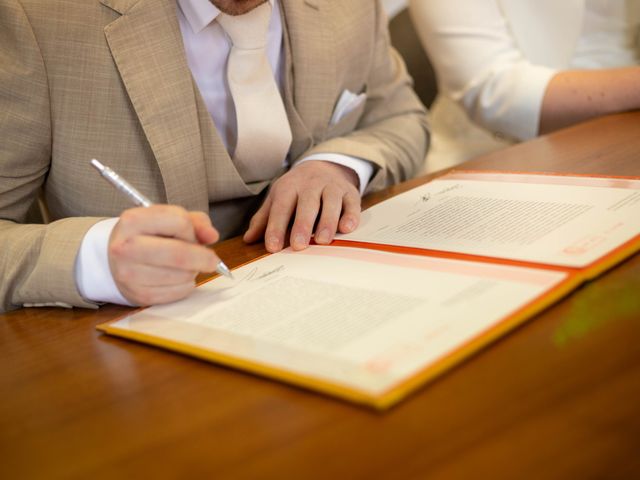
column 237, row 7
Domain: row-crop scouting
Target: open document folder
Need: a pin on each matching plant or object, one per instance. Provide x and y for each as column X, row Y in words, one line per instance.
column 468, row 257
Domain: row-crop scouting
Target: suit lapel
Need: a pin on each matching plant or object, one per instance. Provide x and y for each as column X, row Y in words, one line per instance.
column 311, row 79
column 146, row 45
column 302, row 139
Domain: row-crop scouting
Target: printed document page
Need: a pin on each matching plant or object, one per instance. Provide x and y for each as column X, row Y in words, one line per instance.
column 555, row 220
column 359, row 318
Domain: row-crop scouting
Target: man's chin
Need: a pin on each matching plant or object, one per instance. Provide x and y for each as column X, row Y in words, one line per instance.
column 237, row 7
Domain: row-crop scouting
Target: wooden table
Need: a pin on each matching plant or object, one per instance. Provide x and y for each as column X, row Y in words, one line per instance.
column 557, row 398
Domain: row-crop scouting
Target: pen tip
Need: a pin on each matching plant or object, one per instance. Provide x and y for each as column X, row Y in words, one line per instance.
column 224, row 270
column 97, row 164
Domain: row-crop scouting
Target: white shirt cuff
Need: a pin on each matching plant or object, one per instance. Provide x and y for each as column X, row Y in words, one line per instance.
column 93, row 275
column 363, row 168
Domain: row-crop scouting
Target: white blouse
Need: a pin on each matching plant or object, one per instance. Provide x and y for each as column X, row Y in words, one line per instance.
column 495, row 58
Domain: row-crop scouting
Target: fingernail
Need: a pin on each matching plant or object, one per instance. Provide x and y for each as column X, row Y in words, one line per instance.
column 273, row 243
column 299, row 241
column 349, row 225
column 323, row 236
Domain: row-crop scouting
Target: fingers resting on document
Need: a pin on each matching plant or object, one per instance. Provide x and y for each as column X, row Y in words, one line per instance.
column 313, row 190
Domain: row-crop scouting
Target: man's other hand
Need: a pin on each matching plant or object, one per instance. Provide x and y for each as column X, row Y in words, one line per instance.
column 312, row 190
column 155, row 253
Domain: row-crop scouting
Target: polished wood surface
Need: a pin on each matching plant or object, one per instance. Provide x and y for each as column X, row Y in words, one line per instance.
column 556, row 398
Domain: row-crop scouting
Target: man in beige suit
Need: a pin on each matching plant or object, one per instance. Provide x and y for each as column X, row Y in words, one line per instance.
column 110, row 79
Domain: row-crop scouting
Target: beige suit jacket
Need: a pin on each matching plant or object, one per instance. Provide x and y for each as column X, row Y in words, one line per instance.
column 108, row 79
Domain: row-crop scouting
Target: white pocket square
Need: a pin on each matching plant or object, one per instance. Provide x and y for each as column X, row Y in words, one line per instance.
column 347, row 103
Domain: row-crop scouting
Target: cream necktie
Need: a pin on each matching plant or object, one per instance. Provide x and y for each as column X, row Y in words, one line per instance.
column 264, row 134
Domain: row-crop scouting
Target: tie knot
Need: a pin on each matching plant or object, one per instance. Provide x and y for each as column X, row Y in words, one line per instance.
column 248, row 31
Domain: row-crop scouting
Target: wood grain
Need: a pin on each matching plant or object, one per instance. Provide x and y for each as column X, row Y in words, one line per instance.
column 557, row 398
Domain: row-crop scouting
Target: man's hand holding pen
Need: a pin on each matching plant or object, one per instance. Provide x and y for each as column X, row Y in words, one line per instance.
column 156, row 252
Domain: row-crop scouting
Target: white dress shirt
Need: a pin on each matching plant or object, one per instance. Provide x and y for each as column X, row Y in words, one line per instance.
column 207, row 48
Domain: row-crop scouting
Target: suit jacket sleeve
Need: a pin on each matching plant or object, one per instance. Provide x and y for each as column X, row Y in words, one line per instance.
column 392, row 131
column 36, row 261
column 480, row 66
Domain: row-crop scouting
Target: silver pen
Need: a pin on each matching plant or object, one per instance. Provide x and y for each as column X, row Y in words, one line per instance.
column 140, row 200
